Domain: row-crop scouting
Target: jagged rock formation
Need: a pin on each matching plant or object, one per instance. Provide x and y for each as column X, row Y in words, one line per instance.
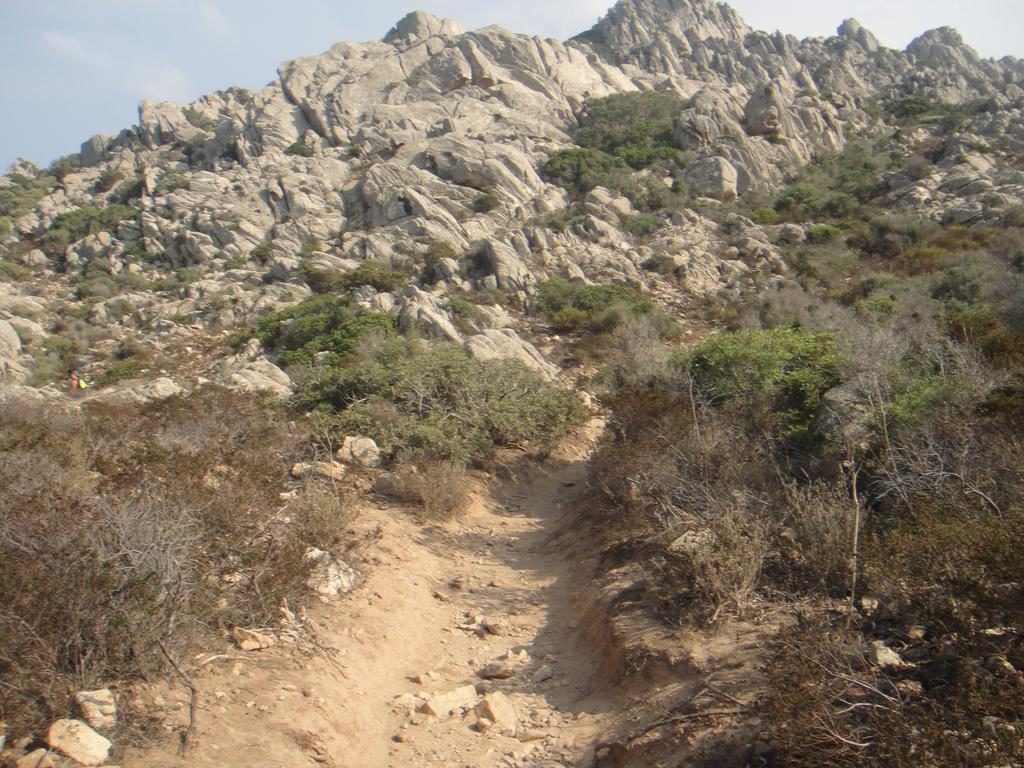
column 380, row 150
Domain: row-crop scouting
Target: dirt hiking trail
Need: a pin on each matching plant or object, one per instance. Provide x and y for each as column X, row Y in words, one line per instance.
column 462, row 647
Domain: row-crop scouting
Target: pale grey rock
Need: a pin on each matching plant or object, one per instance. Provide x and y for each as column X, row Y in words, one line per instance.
column 500, row 669
column 163, row 123
column 851, row 29
column 444, row 704
column 418, row 309
column 544, row 673
column 884, row 657
column 330, row 576
column 713, row 177
column 327, row 470
column 696, row 131
column 250, row 371
column 10, row 341
column 98, row 708
column 492, row 344
column 356, row 449
column 162, row 388
column 421, row 26
column 79, row 742
column 251, row 640
column 37, row 758
column 95, row 150
column 500, row 711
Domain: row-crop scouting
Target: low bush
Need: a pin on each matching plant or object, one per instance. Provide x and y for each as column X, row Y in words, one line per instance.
column 640, row 224
column 170, row 182
column 774, row 376
column 321, row 324
column 108, row 180
column 633, row 127
column 374, row 274
column 440, row 489
column 12, row 271
column 577, row 306
column 434, row 402
column 581, row 169
column 99, row 570
column 486, row 202
column 23, row 193
column 87, row 220
column 299, row 149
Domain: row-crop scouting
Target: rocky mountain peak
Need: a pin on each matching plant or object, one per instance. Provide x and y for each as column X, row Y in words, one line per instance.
column 851, row 29
column 631, row 24
column 942, row 46
column 419, row 25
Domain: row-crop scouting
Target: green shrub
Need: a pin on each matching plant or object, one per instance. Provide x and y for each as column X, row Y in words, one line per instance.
column 777, row 375
column 661, row 263
column 107, row 180
column 435, row 402
column 63, row 167
column 262, row 252
column 321, row 279
column 176, row 280
column 11, row 271
column 375, row 275
column 310, row 246
column 913, row 108
column 800, row 200
column 300, row 149
column 320, row 324
column 170, row 182
column 640, row 224
column 582, row 169
column 633, row 127
column 891, row 236
column 88, row 220
column 486, row 202
column 823, row 233
column 764, row 216
column 119, row 370
column 437, row 250
column 129, row 191
column 24, row 193
column 576, row 306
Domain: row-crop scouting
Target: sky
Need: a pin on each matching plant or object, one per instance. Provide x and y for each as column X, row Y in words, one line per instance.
column 73, row 68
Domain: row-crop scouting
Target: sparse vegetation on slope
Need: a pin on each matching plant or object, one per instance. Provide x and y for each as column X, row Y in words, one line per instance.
column 125, row 528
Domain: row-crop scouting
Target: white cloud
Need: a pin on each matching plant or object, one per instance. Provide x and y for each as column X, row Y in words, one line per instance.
column 213, row 22
column 74, row 50
column 138, row 76
column 159, row 82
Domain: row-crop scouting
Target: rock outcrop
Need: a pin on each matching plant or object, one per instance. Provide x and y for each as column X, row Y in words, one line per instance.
column 437, row 136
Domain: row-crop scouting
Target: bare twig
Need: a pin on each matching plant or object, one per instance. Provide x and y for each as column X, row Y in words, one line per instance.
column 188, row 735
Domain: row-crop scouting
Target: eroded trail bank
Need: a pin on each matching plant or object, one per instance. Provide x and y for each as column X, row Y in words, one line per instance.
column 462, row 647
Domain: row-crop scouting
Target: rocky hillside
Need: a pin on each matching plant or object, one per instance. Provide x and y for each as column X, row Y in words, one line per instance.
column 434, row 141
column 449, row 243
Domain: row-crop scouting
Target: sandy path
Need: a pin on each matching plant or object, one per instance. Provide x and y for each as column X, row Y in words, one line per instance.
column 438, row 605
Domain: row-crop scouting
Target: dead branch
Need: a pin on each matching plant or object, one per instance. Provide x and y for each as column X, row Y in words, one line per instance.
column 189, row 733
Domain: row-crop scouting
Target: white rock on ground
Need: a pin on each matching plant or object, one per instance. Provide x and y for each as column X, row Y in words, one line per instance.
column 250, row 640
column 330, row 576
column 98, row 708
column 39, row 758
column 443, row 704
column 884, row 657
column 79, row 742
column 359, row 450
column 498, row 708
